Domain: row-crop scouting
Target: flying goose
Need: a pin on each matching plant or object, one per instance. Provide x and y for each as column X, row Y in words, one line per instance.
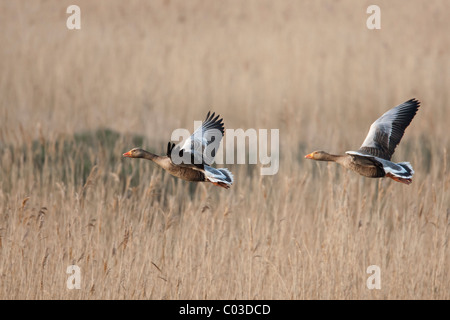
column 373, row 159
column 192, row 160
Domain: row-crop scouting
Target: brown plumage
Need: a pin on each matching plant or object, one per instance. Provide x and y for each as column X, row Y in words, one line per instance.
column 164, row 162
column 361, row 165
column 373, row 157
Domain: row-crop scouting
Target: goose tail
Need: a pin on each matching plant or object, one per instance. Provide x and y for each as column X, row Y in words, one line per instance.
column 221, row 177
column 403, row 175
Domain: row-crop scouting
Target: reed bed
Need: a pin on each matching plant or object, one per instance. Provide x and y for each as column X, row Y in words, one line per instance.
column 74, row 101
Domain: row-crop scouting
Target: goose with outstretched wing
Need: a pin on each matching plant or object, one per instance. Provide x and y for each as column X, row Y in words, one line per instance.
column 373, row 159
column 201, row 147
column 192, row 159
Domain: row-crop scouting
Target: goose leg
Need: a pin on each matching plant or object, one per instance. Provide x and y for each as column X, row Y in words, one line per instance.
column 221, row 184
column 398, row 179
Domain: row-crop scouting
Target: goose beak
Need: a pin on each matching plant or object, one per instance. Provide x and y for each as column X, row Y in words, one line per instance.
column 309, row 156
column 127, row 154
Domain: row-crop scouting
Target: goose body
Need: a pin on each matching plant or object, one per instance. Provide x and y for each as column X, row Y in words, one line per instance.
column 373, row 159
column 197, row 165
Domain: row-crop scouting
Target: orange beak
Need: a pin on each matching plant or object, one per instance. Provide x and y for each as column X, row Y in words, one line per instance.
column 309, row 156
column 127, row 154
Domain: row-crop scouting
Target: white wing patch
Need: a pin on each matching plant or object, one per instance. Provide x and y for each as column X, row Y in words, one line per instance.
column 204, row 143
column 377, row 126
column 400, row 170
column 359, row 154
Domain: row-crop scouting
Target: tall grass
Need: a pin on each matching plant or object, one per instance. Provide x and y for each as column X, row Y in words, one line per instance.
column 141, row 69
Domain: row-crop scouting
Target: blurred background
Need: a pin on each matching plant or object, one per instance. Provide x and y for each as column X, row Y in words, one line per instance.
column 310, row 68
column 72, row 101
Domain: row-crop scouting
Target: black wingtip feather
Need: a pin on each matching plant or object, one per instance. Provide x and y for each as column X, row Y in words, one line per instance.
column 413, row 103
column 214, row 121
column 209, row 119
column 170, row 146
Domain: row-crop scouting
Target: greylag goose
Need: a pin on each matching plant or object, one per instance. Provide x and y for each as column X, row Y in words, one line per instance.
column 192, row 160
column 373, row 159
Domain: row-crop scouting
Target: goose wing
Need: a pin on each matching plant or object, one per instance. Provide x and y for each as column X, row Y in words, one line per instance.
column 201, row 147
column 387, row 131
